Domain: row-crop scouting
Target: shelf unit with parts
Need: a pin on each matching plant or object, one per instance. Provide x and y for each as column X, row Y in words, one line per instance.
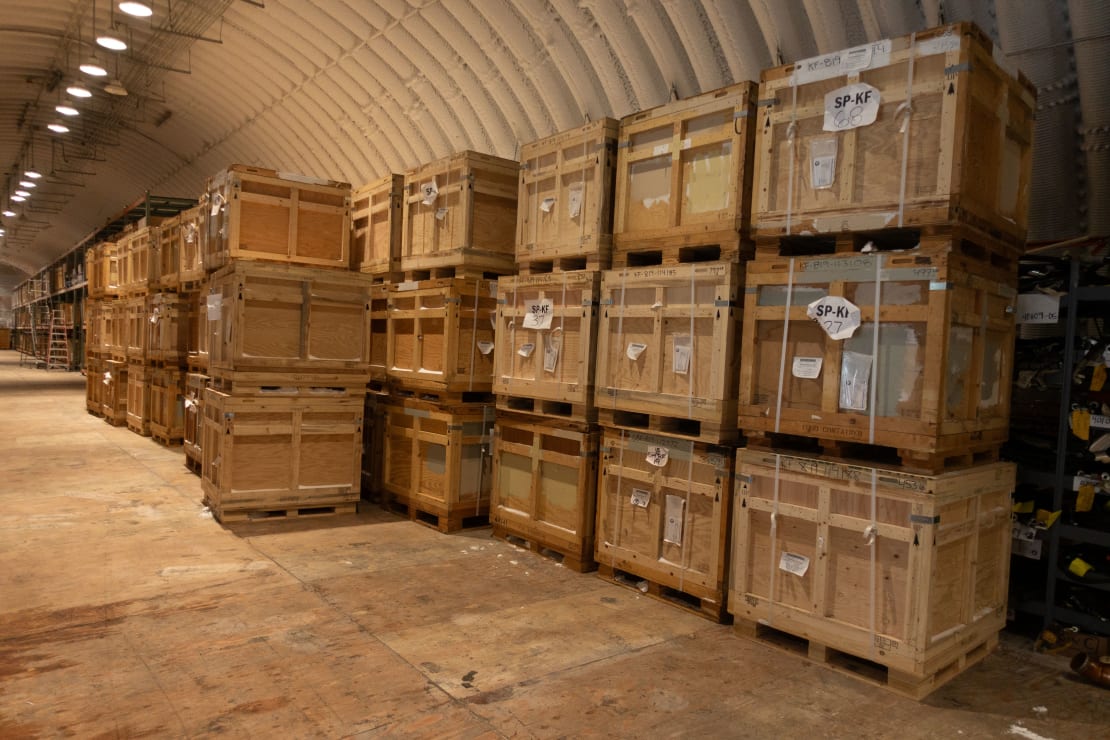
column 1060, row 421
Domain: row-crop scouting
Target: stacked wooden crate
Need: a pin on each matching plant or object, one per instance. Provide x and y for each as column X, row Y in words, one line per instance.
column 871, row 516
column 103, row 294
column 546, row 435
column 281, row 335
column 668, row 346
column 457, row 220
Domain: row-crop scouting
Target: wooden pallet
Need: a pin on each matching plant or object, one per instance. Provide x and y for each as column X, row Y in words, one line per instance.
column 675, row 426
column 441, row 397
column 907, row 684
column 972, row 452
column 166, row 436
column 579, row 562
column 723, row 246
column 584, row 412
column 254, row 515
column 709, row 607
column 439, row 273
column 194, row 465
column 448, row 523
column 576, row 263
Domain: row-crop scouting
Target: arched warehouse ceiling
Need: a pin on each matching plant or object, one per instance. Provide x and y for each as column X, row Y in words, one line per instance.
column 353, row 89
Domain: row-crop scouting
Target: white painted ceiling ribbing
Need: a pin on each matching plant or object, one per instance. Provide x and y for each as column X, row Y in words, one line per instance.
column 353, row 89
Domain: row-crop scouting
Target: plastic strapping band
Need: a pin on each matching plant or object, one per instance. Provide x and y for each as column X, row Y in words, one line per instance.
column 873, row 390
column 686, row 520
column 690, row 360
column 582, row 189
column 616, row 533
column 474, row 333
column 785, row 337
column 871, row 535
column 620, row 330
column 512, row 335
column 562, row 324
column 791, row 132
column 908, row 106
column 487, row 449
column 774, row 541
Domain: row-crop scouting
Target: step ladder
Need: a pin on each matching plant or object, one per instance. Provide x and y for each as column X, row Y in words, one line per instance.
column 57, row 353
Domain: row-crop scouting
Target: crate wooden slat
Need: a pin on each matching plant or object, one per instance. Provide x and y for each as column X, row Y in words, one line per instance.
column 193, row 419
column 262, row 454
column 684, row 174
column 138, row 399
column 802, row 561
column 260, row 214
column 168, row 329
column 94, row 386
column 167, row 405
column 199, row 337
column 192, row 233
column 138, row 259
column 288, row 383
column 137, row 312
column 460, row 211
column 565, row 205
column 166, row 256
column 114, row 334
column 684, row 320
column 265, row 315
column 556, row 362
column 435, row 460
column 667, row 523
column 114, row 379
column 94, row 326
column 98, row 260
column 945, row 330
column 376, row 215
column 968, row 143
column 379, row 332
column 544, row 486
column 441, row 334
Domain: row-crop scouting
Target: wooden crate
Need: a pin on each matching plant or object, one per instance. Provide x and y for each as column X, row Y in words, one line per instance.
column 193, row 419
column 907, row 571
column 288, row 383
column 114, row 268
column 139, row 379
column 436, row 461
column 138, row 258
column 114, row 379
column 167, row 405
column 376, row 215
column 168, row 330
column 546, row 342
column 666, row 352
column 379, row 332
column 94, row 385
column 269, row 316
column 259, row 214
column 94, row 326
column 137, row 326
column 684, row 176
column 565, row 205
column 956, row 144
column 460, row 211
column 97, row 259
column 663, row 515
column 945, row 329
column 113, row 320
column 263, row 455
column 199, row 337
column 441, row 334
column 191, row 236
column 166, row 255
column 544, row 487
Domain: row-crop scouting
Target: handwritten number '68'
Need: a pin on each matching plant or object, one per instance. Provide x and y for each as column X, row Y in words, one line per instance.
column 848, row 117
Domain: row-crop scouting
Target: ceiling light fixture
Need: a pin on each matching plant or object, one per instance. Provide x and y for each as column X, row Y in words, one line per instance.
column 78, row 90
column 33, row 174
column 109, row 40
column 24, row 193
column 93, row 68
column 18, row 198
column 139, row 10
column 67, row 110
column 115, row 87
column 58, row 127
column 9, row 213
column 28, row 184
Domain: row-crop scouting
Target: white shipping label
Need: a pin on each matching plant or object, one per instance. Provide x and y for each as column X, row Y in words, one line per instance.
column 795, row 564
column 526, row 350
column 441, row 213
column 851, row 106
column 217, row 201
column 683, row 352
column 855, row 375
column 574, row 200
column 838, row 316
column 838, row 63
column 551, row 347
column 674, row 516
column 539, row 314
column 430, row 191
column 485, row 347
column 215, row 306
column 154, row 315
column 807, row 367
column 658, row 455
column 547, row 204
column 634, row 350
column 190, row 233
column 641, row 497
column 406, row 286
column 107, row 378
column 1038, row 308
column 661, row 149
column 822, row 162
column 942, row 44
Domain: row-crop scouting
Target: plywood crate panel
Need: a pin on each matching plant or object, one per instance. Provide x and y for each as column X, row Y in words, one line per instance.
column 193, row 417
column 266, row 453
column 268, row 316
column 169, row 328
column 288, row 383
column 137, row 312
column 191, row 236
column 663, row 508
column 114, row 396
column 97, row 262
column 547, row 336
column 435, row 458
column 138, row 260
column 94, row 327
column 167, row 405
column 259, row 214
column 684, row 172
column 944, row 331
column 376, row 215
column 667, row 343
column 904, row 570
column 114, row 321
column 460, row 211
column 545, row 484
column 565, row 205
column 138, row 399
column 379, row 331
column 441, row 334
column 949, row 117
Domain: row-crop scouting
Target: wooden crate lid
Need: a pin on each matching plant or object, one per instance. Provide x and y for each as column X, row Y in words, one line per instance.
column 602, row 129
column 735, row 95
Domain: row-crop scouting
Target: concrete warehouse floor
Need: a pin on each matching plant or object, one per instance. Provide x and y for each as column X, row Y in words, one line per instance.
column 126, row 610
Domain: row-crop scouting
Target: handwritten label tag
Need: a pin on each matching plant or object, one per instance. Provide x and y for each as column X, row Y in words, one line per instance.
column 539, row 314
column 214, row 305
column 683, row 351
column 838, row 316
column 574, row 200
column 526, row 349
column 658, row 456
column 822, row 162
column 1038, row 308
column 634, row 350
column 807, row 367
column 851, row 106
column 675, row 514
column 441, row 213
column 430, row 191
column 551, row 348
column 485, row 347
column 547, row 204
column 795, row 564
column 641, row 497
